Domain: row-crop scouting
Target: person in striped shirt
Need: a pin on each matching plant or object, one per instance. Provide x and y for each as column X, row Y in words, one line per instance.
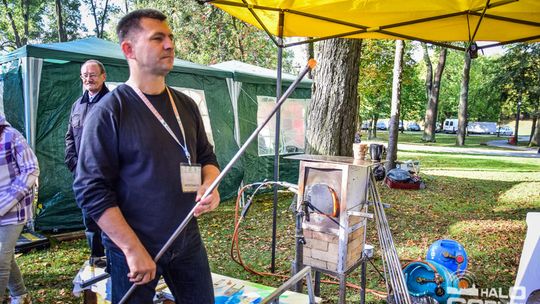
column 18, row 175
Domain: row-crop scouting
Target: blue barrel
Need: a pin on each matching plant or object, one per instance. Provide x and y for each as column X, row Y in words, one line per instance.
column 430, row 279
column 450, row 254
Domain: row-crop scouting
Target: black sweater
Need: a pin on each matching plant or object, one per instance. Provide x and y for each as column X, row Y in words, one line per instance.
column 128, row 159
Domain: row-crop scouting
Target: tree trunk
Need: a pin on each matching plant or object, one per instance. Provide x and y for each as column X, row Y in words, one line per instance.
column 94, row 14
column 430, row 121
column 104, row 17
column 126, row 2
column 429, row 70
column 463, row 101
column 18, row 41
column 535, row 132
column 25, row 8
column 393, row 128
column 536, row 140
column 373, row 129
column 516, row 128
column 333, row 110
column 62, row 36
column 239, row 40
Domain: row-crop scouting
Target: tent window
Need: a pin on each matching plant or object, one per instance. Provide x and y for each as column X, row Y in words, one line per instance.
column 200, row 99
column 292, row 133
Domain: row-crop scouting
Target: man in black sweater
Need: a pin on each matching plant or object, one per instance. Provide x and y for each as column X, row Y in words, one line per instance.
column 144, row 162
column 93, row 79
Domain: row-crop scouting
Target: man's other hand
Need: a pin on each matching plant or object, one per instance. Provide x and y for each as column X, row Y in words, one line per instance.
column 209, row 203
column 142, row 268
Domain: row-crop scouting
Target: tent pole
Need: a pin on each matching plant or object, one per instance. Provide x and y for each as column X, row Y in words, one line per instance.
column 276, row 140
column 27, row 102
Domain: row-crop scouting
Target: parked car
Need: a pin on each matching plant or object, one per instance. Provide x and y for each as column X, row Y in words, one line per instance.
column 365, row 125
column 382, row 125
column 413, row 126
column 506, row 131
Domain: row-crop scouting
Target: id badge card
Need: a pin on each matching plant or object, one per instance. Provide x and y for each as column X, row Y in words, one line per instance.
column 190, row 177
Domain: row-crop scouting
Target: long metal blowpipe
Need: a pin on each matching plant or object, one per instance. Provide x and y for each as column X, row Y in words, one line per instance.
column 310, row 65
column 402, row 286
column 397, row 280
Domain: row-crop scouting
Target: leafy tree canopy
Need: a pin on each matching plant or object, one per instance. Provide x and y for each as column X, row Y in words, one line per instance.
column 207, row 35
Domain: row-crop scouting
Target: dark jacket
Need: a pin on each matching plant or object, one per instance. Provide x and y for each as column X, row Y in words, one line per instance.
column 79, row 110
column 128, row 160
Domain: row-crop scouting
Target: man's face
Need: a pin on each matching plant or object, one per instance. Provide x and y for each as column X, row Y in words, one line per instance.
column 153, row 47
column 92, row 78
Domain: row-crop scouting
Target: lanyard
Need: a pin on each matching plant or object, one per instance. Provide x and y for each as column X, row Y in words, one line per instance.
column 162, row 121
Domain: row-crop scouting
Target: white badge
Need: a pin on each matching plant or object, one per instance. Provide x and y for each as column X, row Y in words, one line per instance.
column 190, row 177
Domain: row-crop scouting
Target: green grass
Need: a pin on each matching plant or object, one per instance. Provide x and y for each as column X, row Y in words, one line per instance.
column 479, row 201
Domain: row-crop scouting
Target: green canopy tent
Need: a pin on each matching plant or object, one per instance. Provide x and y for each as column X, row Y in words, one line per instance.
column 252, row 91
column 39, row 83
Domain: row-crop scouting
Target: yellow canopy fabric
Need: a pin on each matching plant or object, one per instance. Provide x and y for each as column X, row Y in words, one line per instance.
column 425, row 20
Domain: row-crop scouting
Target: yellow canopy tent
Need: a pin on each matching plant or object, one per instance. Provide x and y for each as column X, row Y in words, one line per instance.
column 504, row 21
column 434, row 21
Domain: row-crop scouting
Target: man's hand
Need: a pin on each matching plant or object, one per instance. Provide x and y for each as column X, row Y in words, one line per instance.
column 209, row 203
column 142, row 268
column 209, row 174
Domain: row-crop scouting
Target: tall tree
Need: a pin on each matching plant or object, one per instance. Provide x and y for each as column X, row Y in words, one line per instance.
column 101, row 11
column 16, row 23
column 70, row 21
column 208, row 35
column 450, row 86
column 62, row 35
column 520, row 80
column 396, row 102
column 332, row 113
column 21, row 22
column 534, row 139
column 484, row 101
column 412, row 92
column 463, row 100
column 374, row 83
column 433, row 88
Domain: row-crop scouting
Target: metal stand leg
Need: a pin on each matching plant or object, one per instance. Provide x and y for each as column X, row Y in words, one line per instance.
column 342, row 288
column 299, row 247
column 317, row 283
column 363, row 279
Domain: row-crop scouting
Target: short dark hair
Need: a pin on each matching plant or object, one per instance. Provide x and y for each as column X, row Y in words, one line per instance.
column 101, row 66
column 131, row 21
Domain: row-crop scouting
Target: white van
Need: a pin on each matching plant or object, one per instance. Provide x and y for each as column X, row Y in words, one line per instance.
column 450, row 125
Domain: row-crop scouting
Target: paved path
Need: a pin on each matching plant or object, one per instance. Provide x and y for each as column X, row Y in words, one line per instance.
column 511, row 150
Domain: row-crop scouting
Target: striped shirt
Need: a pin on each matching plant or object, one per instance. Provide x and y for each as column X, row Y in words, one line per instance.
column 18, row 174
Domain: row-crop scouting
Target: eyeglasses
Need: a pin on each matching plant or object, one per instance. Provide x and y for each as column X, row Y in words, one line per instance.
column 88, row 76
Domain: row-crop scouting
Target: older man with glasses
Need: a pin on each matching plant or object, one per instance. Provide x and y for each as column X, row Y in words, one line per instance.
column 93, row 79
